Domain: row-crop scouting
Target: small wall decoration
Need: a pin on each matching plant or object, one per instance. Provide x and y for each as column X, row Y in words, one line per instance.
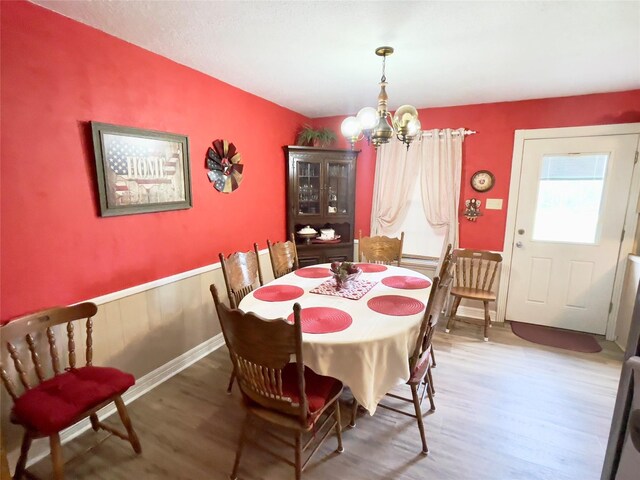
column 225, row 169
column 140, row 171
column 482, row 181
column 472, row 210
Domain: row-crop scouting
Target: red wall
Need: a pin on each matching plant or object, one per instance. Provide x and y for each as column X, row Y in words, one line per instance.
column 57, row 75
column 492, row 148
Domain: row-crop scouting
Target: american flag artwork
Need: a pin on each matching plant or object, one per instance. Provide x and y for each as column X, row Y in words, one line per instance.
column 143, row 170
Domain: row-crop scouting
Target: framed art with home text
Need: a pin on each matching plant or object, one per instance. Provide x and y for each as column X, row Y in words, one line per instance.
column 140, row 171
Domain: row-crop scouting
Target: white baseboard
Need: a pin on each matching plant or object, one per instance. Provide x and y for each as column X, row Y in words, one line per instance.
column 142, row 386
column 474, row 312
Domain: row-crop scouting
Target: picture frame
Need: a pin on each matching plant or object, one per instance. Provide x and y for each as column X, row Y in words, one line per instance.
column 140, row 171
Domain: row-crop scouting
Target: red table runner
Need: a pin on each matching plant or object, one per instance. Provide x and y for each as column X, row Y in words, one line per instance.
column 355, row 290
column 323, row 320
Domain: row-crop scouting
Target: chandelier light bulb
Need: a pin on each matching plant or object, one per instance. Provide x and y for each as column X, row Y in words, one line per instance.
column 350, row 127
column 368, row 118
column 413, row 128
column 403, row 116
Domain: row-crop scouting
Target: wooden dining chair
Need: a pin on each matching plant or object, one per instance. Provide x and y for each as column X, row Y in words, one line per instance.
column 420, row 364
column 444, row 273
column 276, row 386
column 54, row 397
column 380, row 249
column 242, row 274
column 284, row 257
column 475, row 272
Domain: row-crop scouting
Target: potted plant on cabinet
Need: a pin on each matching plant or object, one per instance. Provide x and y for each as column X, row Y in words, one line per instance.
column 309, row 136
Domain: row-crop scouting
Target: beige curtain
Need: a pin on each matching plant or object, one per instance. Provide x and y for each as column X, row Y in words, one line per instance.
column 436, row 161
column 396, row 173
column 441, row 156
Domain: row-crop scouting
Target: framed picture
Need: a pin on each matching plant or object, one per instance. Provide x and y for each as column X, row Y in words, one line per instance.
column 140, row 171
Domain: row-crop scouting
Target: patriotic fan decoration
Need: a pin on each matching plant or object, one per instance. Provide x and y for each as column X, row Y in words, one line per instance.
column 225, row 169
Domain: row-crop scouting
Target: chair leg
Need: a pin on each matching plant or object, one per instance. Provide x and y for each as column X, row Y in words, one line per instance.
column 430, row 393
column 433, row 357
column 241, row 442
column 487, row 321
column 454, row 309
column 95, row 423
column 430, row 380
column 126, row 421
column 416, row 405
column 231, row 380
column 298, row 455
column 338, row 427
column 354, row 413
column 56, row 457
column 24, row 452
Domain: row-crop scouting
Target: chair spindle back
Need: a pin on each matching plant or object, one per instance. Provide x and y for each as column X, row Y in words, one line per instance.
column 260, row 349
column 37, row 328
column 432, row 313
column 380, row 249
column 241, row 272
column 284, row 257
column 476, row 269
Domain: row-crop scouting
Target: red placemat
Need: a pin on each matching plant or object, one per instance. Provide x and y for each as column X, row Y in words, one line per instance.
column 323, row 320
column 355, row 290
column 372, row 267
column 278, row 293
column 406, row 282
column 397, row 305
column 313, row 272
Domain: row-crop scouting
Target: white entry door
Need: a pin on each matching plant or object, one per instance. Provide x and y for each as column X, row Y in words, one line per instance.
column 570, row 216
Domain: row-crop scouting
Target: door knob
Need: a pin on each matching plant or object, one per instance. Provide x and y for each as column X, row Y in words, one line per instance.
column 519, row 244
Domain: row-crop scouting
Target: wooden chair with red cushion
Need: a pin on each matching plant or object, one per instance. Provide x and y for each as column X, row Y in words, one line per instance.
column 420, row 363
column 284, row 257
column 242, row 274
column 275, row 389
column 62, row 396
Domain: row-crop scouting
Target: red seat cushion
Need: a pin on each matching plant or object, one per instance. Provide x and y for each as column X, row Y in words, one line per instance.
column 320, row 389
column 56, row 403
column 421, row 368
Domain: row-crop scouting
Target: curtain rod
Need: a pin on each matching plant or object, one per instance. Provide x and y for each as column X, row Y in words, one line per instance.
column 454, row 133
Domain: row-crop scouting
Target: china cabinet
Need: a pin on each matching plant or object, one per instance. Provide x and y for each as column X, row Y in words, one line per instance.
column 321, row 194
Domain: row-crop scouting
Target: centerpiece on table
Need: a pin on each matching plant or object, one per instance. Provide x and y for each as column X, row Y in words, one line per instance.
column 344, row 273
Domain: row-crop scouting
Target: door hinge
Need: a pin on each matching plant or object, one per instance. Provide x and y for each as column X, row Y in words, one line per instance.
column 636, row 159
column 622, row 236
column 610, row 306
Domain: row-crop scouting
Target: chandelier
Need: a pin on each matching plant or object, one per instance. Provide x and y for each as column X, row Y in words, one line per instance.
column 379, row 126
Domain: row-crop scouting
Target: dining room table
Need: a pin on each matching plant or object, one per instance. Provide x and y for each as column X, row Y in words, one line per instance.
column 362, row 334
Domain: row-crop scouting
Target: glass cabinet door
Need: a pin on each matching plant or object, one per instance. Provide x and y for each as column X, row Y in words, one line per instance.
column 308, row 187
column 338, row 188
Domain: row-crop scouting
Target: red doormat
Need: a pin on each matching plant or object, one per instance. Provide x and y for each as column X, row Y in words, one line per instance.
column 554, row 337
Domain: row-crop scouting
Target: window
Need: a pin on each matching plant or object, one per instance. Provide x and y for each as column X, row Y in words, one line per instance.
column 569, row 198
column 420, row 239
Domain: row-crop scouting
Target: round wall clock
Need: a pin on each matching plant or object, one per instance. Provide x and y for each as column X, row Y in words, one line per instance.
column 225, row 169
column 482, row 181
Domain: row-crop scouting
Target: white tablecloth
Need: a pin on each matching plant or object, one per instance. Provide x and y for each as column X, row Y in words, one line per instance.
column 371, row 355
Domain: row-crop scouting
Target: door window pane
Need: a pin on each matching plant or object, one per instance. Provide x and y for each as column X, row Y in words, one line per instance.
column 569, row 198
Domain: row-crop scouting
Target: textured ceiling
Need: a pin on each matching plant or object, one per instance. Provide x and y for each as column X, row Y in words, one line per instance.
column 317, row 57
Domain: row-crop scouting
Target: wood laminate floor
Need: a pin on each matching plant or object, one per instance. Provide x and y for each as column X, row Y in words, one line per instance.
column 506, row 410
